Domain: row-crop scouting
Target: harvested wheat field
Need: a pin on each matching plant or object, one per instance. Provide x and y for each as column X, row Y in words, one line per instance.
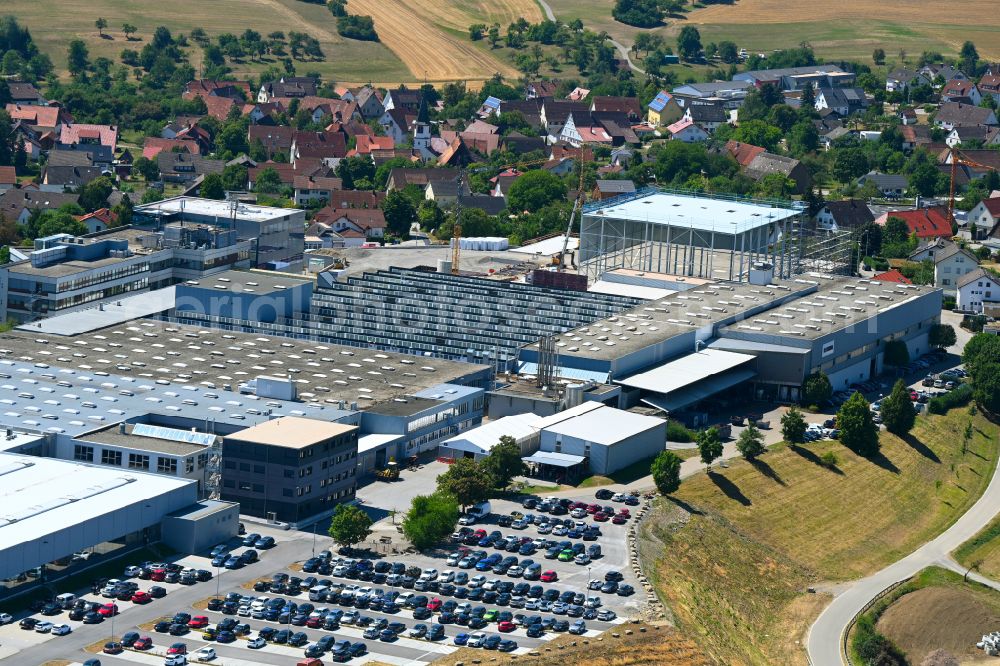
column 430, row 39
column 933, row 618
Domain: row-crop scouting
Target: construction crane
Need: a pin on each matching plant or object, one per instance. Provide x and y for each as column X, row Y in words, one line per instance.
column 456, row 235
column 577, row 205
column 956, row 159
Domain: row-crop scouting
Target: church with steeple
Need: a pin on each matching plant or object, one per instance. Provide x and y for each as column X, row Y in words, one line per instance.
column 422, row 131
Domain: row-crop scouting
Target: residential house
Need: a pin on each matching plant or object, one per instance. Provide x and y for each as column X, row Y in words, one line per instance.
column 899, row 79
column 519, row 144
column 951, row 263
column 328, row 147
column 312, row 188
column 25, row 94
column 355, row 199
column 237, row 90
column 842, row 101
column 185, row 167
column 8, row 178
column 979, row 135
column 68, row 178
column 41, row 118
column 104, row 135
column 728, row 94
column 401, row 177
column 890, row 186
column 846, row 215
column 893, row 276
column 328, row 107
column 369, row 222
column 707, row 116
column 16, row 204
column 743, row 153
column 404, row 99
column 444, row 192
column 220, row 107
column 365, row 145
column 765, row 164
column 797, row 78
column 539, row 89
column 955, row 114
column 925, row 223
column 987, row 157
column 79, row 154
column 990, row 85
column 555, row 113
column 34, row 141
column 309, row 167
column 489, row 107
column 686, row 130
column 321, row 235
column 154, row 145
column 976, row 289
column 961, row 89
column 287, row 87
column 663, row 110
column 396, row 123
column 530, row 110
column 908, row 116
column 609, row 189
column 629, row 106
column 584, row 134
column 369, row 103
column 915, row 135
column 456, row 154
column 943, row 72
column 275, row 140
column 985, row 216
column 99, row 220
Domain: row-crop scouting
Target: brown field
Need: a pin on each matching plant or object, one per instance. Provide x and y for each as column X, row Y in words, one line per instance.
column 431, row 36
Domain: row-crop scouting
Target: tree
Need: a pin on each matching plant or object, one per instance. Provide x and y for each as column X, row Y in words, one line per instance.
column 728, row 52
column 942, row 335
column 751, row 443
column 898, row 414
column 101, row 24
column 399, row 212
column 147, row 168
column 986, row 386
column 95, row 194
column 793, row 426
column 896, row 231
column 896, row 353
column 268, row 181
column 128, row 30
column 640, row 13
column 858, row 431
column 503, row 462
column 709, row 445
column 817, row 389
column 212, row 187
column 666, row 471
column 349, row 525
column 689, row 43
column 466, row 481
column 878, row 57
column 969, row 59
column 430, row 519
column 78, row 58
column 535, row 190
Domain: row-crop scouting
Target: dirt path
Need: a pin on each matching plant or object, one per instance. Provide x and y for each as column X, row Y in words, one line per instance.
column 423, row 47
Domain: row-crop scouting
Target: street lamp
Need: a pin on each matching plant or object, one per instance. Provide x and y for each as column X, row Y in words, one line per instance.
column 218, row 580
column 315, row 525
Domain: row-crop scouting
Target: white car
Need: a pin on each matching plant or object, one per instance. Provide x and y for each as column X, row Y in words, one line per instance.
column 132, row 572
column 429, row 575
column 61, row 629
column 205, row 654
column 256, row 643
column 476, row 639
column 454, row 559
column 606, row 615
column 6, row 618
column 618, row 497
column 43, row 627
column 446, row 577
column 243, row 611
column 467, row 519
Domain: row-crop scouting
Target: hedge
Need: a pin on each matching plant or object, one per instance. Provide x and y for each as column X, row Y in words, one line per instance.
column 961, row 395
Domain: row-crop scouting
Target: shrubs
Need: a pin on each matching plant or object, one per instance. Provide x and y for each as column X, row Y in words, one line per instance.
column 676, row 432
column 942, row 403
column 872, row 647
column 829, row 459
column 357, row 27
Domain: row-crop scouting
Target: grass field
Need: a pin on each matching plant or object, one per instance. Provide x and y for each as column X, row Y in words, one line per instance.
column 421, row 39
column 850, row 29
column 735, row 555
column 982, row 551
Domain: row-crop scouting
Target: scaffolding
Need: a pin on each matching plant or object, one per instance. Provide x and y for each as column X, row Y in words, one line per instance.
column 710, row 237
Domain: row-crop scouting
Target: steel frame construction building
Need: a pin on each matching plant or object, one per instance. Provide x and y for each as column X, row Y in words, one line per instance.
column 700, row 235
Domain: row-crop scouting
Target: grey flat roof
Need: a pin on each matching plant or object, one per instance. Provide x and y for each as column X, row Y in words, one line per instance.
column 555, row 459
column 407, row 406
column 65, row 268
column 150, row 350
column 214, row 208
column 722, row 216
column 686, row 370
column 255, row 281
column 605, row 425
column 113, row 437
column 111, row 313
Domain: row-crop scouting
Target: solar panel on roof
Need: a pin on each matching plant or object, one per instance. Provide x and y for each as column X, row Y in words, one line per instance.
column 173, row 434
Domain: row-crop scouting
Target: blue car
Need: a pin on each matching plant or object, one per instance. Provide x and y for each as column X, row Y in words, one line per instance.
column 461, row 639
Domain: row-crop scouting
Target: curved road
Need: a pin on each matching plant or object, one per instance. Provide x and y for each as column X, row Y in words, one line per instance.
column 824, row 638
column 550, row 15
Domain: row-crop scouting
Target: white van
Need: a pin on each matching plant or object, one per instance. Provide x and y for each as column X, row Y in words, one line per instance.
column 318, row 593
column 66, row 600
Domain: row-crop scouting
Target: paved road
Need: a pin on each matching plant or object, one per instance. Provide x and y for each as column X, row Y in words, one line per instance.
column 825, row 635
column 550, row 15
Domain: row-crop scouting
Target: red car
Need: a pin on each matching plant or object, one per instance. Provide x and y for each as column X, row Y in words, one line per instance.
column 434, row 605
column 593, row 508
column 158, row 574
column 913, row 395
column 178, row 648
column 506, row 627
column 549, row 577
column 198, row 622
column 578, row 505
column 107, row 610
column 600, row 517
column 141, row 597
column 619, row 519
column 624, row 512
column 314, row 622
column 143, row 643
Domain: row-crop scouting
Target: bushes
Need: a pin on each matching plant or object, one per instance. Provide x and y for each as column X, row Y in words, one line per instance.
column 676, row 432
column 357, row 27
column 872, row 647
column 941, row 404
